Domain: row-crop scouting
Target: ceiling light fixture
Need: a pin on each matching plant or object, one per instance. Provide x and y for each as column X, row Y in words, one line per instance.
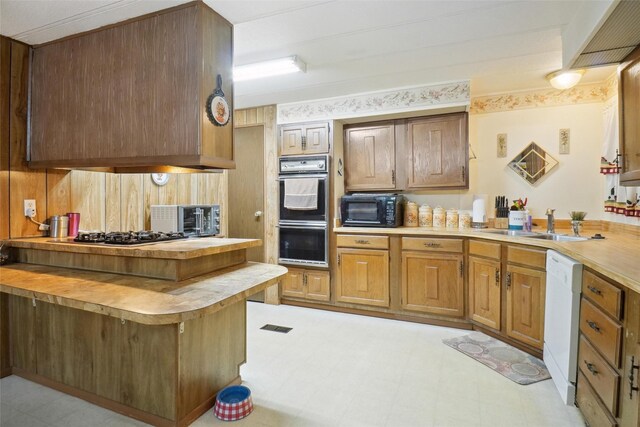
column 275, row 67
column 564, row 79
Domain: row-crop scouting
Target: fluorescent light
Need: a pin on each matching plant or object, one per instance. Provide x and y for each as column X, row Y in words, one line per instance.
column 274, row 67
column 564, row 79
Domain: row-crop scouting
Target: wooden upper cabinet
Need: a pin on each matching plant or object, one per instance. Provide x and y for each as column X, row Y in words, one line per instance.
column 629, row 90
column 309, row 138
column 438, row 152
column 133, row 95
column 370, row 157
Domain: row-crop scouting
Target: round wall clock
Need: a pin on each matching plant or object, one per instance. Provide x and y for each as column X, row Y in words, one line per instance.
column 160, row 178
column 217, row 107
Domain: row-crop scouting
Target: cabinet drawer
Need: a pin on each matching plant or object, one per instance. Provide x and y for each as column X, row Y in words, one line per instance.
column 525, row 256
column 367, row 242
column 602, row 377
column 603, row 332
column 603, row 294
column 593, row 411
column 427, row 244
column 484, row 249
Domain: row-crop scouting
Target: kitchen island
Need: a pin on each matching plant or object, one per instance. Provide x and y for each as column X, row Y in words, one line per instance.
column 155, row 348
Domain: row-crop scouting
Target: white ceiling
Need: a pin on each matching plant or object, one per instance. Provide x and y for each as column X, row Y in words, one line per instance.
column 353, row 46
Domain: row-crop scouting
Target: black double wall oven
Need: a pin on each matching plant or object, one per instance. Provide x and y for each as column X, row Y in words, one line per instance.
column 303, row 228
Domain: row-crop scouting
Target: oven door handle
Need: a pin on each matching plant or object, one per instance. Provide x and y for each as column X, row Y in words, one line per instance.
column 303, row 227
column 284, row 178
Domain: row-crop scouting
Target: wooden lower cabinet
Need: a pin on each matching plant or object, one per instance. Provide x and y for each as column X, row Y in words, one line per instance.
column 609, row 354
column 485, row 296
column 363, row 276
column 165, row 375
column 308, row 284
column 433, row 283
column 525, row 305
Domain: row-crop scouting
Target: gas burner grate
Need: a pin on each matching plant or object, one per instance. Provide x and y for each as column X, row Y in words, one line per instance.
column 128, row 237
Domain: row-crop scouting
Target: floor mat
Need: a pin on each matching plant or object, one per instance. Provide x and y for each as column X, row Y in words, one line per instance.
column 514, row 364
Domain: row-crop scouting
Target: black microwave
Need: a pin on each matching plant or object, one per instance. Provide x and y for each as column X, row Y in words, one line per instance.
column 371, row 210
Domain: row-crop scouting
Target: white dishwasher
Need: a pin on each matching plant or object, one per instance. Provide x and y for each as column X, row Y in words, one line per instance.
column 561, row 322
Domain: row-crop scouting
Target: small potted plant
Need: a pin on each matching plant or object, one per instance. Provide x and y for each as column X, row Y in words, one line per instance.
column 576, row 221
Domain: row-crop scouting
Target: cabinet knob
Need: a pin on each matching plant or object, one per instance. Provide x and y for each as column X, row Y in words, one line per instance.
column 594, row 290
column 593, row 325
column 258, row 214
column 591, row 368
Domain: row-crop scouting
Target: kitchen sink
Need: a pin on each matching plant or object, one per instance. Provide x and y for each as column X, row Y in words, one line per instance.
column 559, row 237
column 534, row 235
column 518, row 233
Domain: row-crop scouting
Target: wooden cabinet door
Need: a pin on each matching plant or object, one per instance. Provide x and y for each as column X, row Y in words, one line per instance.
column 629, row 404
column 363, row 276
column 369, row 154
column 316, row 139
column 629, row 90
column 317, row 285
column 525, row 305
column 437, row 151
column 485, row 302
column 293, row 283
column 304, row 139
column 291, row 140
column 433, row 283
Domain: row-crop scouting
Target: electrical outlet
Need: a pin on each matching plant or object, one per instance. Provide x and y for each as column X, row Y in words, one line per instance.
column 30, row 208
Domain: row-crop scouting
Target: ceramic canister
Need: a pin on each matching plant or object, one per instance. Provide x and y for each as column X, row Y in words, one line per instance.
column 411, row 214
column 517, row 219
column 465, row 220
column 425, row 216
column 452, row 218
column 438, row 217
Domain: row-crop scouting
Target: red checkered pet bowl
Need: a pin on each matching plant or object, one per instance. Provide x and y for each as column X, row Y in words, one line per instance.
column 233, row 403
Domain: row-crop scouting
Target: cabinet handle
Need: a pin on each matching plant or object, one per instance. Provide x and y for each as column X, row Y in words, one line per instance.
column 304, row 280
column 594, row 290
column 498, row 277
column 338, row 259
column 393, row 176
column 591, row 368
column 363, row 242
column 593, row 325
column 508, row 280
column 463, row 173
column 631, row 377
column 461, row 268
column 304, row 142
column 433, row 245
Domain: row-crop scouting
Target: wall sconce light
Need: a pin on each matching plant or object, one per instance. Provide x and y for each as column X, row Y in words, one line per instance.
column 275, row 67
column 564, row 79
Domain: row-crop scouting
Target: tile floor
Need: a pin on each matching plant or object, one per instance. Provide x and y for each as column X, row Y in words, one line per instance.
column 337, row 370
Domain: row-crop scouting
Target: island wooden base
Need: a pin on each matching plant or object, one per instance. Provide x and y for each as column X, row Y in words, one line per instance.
column 166, row 375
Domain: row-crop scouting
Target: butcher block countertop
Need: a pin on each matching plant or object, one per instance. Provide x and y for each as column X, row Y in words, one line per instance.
column 142, row 300
column 616, row 257
column 174, row 249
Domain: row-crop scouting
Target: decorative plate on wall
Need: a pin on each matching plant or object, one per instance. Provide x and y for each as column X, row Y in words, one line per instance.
column 217, row 107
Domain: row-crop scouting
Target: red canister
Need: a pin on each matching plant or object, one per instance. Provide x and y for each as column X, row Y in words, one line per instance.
column 74, row 223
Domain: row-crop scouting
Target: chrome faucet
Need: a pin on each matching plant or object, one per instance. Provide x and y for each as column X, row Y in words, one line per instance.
column 550, row 221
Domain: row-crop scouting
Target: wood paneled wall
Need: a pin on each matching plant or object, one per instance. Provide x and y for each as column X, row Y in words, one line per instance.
column 266, row 117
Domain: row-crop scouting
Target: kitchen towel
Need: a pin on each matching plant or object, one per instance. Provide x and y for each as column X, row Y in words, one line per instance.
column 301, row 193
